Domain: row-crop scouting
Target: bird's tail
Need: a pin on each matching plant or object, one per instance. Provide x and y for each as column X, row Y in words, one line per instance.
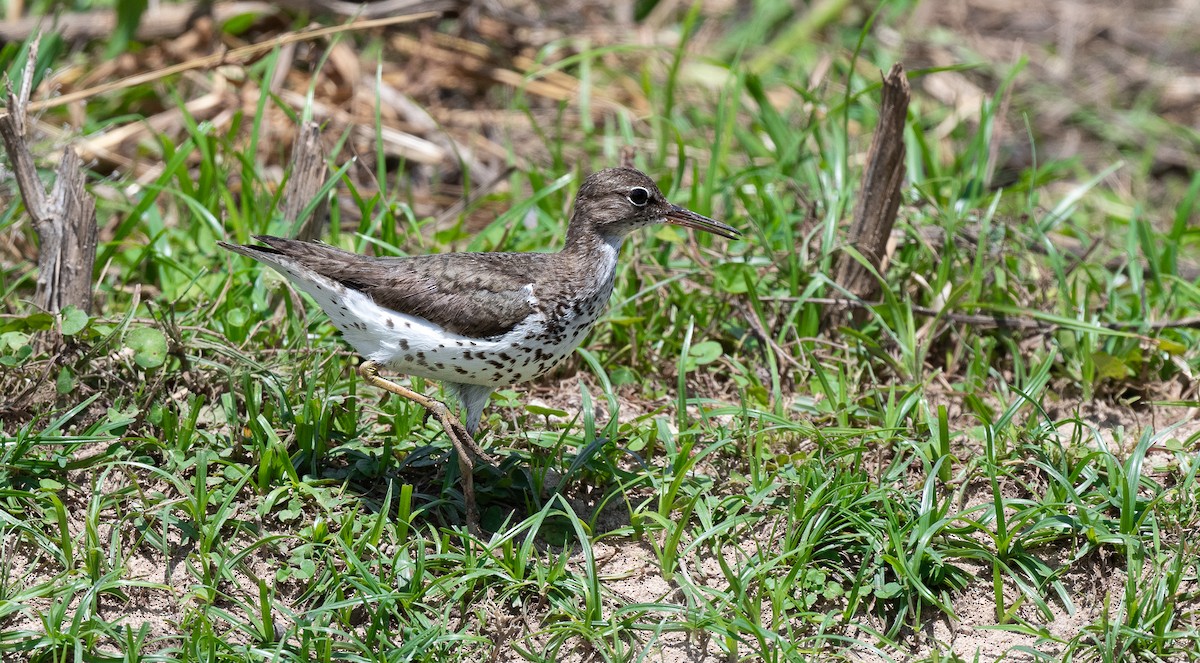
column 286, row 257
column 268, row 254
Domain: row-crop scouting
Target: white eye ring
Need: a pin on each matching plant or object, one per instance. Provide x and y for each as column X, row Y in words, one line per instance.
column 639, row 196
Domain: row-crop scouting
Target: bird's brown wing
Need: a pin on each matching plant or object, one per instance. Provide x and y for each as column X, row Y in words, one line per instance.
column 481, row 295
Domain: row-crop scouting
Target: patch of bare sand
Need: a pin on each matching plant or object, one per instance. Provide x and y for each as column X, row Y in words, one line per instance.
column 148, row 587
column 976, row 634
column 629, row 575
column 148, row 603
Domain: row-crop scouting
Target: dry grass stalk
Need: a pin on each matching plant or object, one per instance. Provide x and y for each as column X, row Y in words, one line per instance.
column 237, row 56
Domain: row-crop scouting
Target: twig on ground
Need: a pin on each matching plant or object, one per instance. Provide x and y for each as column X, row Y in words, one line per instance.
column 995, row 321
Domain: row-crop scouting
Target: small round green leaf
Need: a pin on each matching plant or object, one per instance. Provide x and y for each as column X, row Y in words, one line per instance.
column 13, row 340
column 65, row 383
column 149, row 346
column 705, row 352
column 1109, row 367
column 734, row 278
column 889, row 591
column 305, row 570
column 73, row 320
column 50, row 485
column 237, row 317
column 39, row 322
column 622, row 376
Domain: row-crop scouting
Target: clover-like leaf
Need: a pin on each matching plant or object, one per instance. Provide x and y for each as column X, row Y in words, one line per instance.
column 73, row 320
column 149, row 346
column 704, row 352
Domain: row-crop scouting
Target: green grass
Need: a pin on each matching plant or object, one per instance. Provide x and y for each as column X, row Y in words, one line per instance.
column 199, row 475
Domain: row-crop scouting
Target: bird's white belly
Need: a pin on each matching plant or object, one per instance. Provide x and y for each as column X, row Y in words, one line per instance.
column 415, row 346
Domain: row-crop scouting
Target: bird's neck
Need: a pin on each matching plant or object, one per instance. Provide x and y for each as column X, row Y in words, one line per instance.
column 589, row 251
column 584, row 240
column 579, row 231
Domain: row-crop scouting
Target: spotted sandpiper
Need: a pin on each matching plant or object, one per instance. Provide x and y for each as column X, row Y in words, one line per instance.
column 478, row 321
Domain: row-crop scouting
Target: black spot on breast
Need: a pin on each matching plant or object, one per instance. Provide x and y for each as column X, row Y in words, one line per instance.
column 467, row 354
column 461, row 371
column 408, row 358
column 403, row 342
column 392, row 325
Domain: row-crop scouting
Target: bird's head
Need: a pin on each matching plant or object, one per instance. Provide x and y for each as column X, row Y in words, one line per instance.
column 616, row 201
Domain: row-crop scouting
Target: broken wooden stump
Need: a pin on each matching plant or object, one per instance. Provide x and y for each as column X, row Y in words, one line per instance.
column 878, row 201
column 309, row 170
column 64, row 219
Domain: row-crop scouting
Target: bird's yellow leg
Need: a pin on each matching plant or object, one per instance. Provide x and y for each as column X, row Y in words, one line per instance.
column 464, row 444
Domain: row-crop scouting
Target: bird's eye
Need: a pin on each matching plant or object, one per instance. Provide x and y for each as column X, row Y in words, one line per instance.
column 639, row 196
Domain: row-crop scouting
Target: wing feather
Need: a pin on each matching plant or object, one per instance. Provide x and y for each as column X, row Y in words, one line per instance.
column 481, row 295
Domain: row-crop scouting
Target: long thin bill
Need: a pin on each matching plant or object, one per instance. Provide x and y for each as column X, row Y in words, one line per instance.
column 681, row 216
